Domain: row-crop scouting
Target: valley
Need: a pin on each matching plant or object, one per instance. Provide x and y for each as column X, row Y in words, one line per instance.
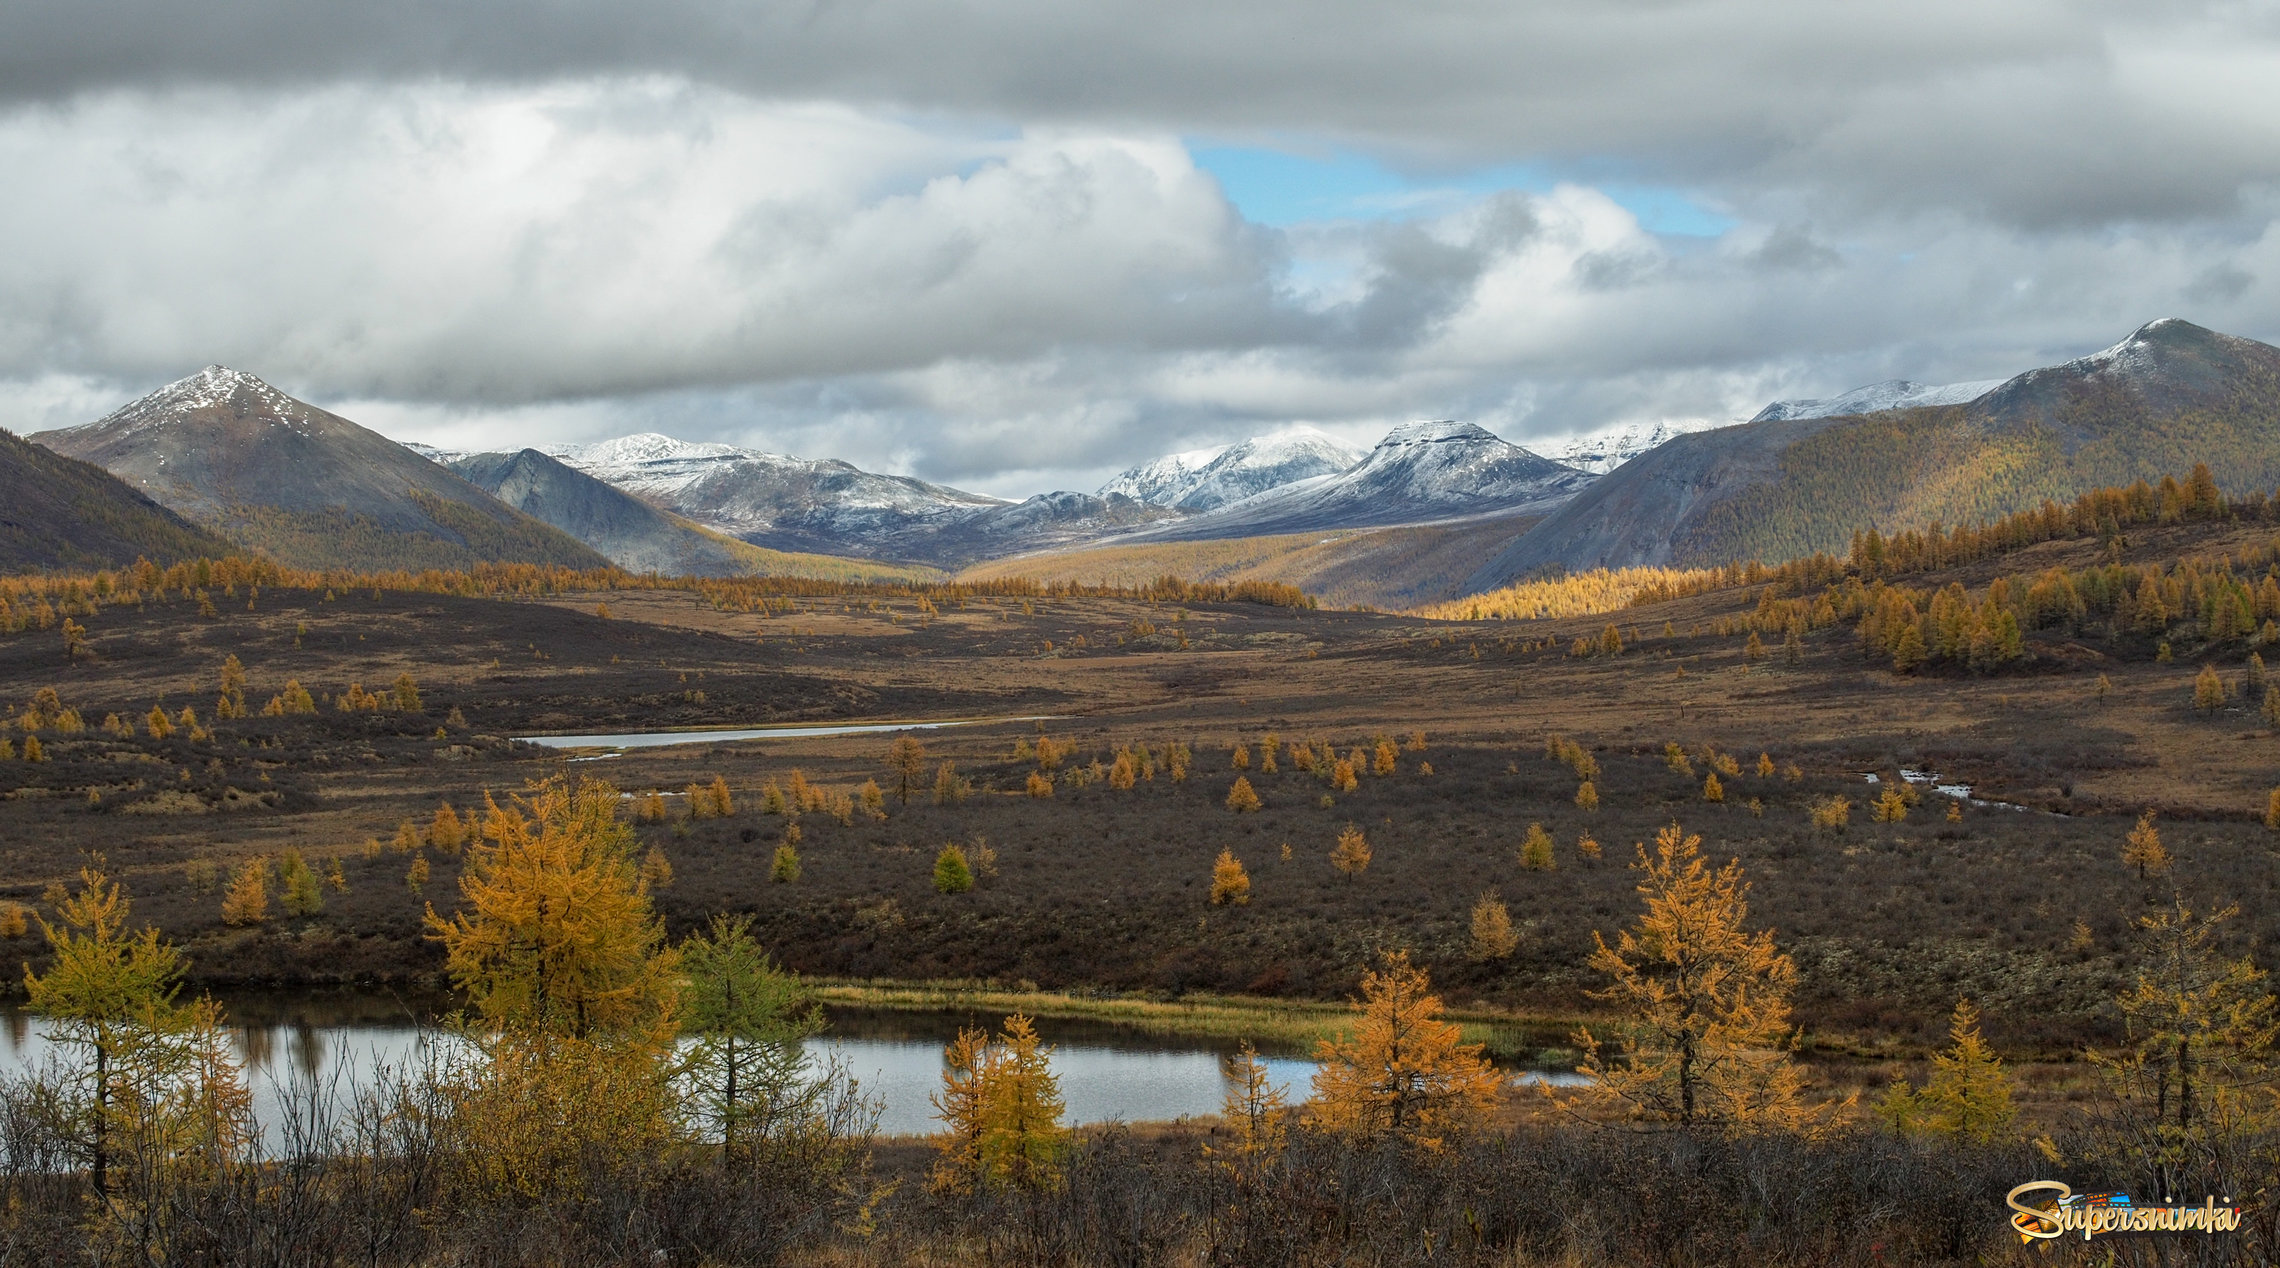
column 1096, row 887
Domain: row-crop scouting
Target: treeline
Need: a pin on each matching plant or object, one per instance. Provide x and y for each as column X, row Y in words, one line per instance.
column 39, row 600
column 2106, row 514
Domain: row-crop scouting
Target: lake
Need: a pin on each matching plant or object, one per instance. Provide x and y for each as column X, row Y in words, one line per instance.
column 1106, row 1073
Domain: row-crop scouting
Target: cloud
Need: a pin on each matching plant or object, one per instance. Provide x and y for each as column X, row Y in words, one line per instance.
column 973, row 243
column 2042, row 111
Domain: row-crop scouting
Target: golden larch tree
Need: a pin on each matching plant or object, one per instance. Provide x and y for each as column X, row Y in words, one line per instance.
column 1587, row 796
column 2201, row 1027
column 1403, row 1072
column 1230, row 884
column 246, row 902
column 1240, row 797
column 1022, row 1134
column 2143, row 849
column 1705, row 1004
column 959, row 1106
column 1352, row 853
column 1967, row 1098
column 1493, row 937
column 570, row 1056
column 2208, row 690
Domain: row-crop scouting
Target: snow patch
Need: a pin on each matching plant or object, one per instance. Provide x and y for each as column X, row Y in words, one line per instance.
column 1890, row 394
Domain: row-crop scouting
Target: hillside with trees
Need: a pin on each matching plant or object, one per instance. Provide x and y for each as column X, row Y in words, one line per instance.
column 2170, row 395
column 59, row 513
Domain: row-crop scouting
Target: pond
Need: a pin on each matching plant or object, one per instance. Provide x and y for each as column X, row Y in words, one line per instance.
column 1106, row 1073
column 655, row 739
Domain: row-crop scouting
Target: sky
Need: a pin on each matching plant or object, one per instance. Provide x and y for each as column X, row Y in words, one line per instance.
column 1018, row 245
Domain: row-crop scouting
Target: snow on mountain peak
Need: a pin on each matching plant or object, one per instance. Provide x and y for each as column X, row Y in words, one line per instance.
column 1160, row 483
column 642, row 447
column 214, row 386
column 1601, row 451
column 1204, row 479
column 1435, row 432
column 1890, row 394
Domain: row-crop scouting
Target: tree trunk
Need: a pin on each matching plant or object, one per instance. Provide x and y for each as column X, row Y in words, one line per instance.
column 102, row 1168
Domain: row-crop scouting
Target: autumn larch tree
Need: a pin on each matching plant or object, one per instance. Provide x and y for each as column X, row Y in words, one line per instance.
column 1352, row 853
column 1492, row 934
column 1705, row 1004
column 906, row 757
column 1587, row 796
column 1256, row 1115
column 246, row 902
column 231, row 702
column 1240, row 797
column 1022, row 1135
column 2143, row 849
column 1403, row 1073
column 156, row 1085
column 1230, row 884
column 1968, row 1097
column 1387, row 759
column 577, row 996
column 2208, row 690
column 959, row 1106
column 2201, row 1027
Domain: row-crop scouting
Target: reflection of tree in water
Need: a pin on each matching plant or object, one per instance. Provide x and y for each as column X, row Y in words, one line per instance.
column 19, row 1029
column 308, row 1050
column 256, row 1045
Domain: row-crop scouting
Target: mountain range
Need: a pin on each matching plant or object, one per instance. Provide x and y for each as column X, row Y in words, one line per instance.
column 2170, row 395
column 222, row 460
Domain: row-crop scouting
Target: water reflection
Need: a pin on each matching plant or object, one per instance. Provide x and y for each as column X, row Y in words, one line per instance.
column 1106, row 1074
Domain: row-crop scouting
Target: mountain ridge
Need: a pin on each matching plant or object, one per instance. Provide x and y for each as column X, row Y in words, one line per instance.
column 2170, row 394
column 243, row 459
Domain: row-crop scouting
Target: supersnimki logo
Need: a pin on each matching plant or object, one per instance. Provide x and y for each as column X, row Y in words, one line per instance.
column 2065, row 1212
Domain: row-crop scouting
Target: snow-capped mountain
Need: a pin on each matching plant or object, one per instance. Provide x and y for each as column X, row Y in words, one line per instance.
column 1420, row 473
column 1876, row 397
column 1162, row 482
column 772, row 499
column 1206, row 479
column 225, row 450
column 1602, row 451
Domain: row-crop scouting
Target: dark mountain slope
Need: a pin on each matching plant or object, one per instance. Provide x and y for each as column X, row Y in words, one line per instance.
column 230, row 452
column 2170, row 395
column 56, row 512
column 631, row 533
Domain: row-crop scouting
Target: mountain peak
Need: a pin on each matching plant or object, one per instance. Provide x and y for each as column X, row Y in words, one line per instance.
column 210, row 388
column 642, row 447
column 1435, row 432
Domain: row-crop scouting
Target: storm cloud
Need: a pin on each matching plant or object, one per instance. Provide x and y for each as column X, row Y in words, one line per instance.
column 973, row 241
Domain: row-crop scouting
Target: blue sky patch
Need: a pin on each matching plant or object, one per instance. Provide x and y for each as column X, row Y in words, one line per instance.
column 1285, row 187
